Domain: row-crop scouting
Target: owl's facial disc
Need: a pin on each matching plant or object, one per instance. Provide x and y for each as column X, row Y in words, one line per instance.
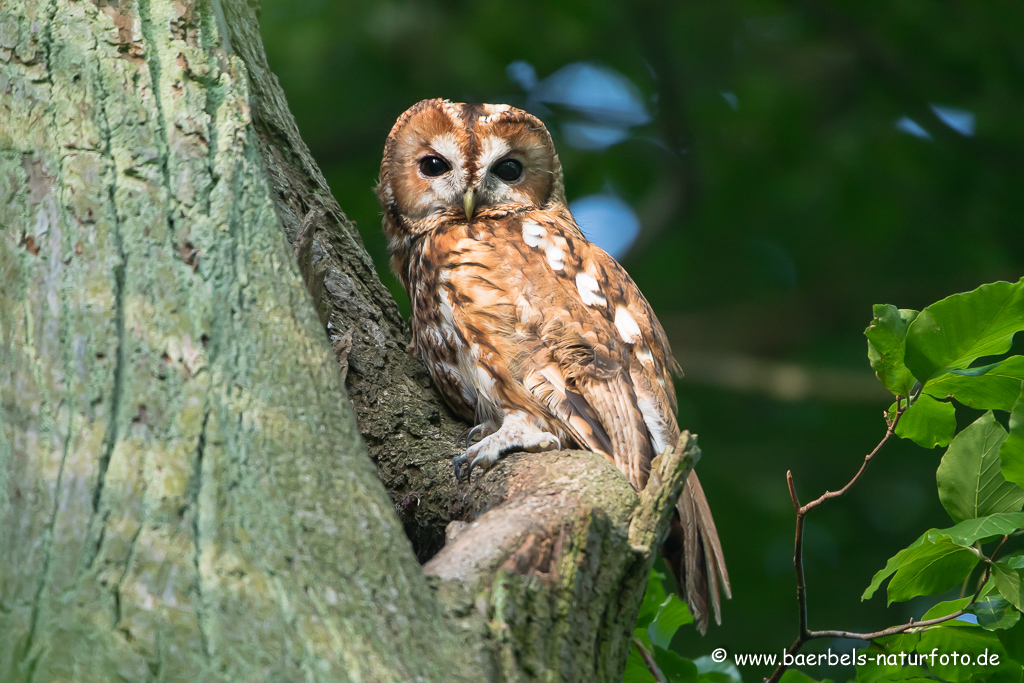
column 439, row 164
column 508, row 171
column 450, row 160
column 487, row 178
column 514, row 165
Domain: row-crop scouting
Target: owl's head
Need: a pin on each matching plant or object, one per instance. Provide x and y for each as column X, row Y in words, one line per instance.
column 446, row 160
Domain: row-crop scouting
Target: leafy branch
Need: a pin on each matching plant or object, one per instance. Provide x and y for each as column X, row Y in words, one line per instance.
column 927, row 360
column 806, row 635
column 928, row 355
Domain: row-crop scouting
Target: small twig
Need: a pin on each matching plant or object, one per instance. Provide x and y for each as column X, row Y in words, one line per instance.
column 649, row 661
column 801, row 587
column 828, row 495
column 798, row 557
column 798, row 553
column 893, row 630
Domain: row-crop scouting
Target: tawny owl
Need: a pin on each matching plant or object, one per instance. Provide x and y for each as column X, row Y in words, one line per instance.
column 532, row 333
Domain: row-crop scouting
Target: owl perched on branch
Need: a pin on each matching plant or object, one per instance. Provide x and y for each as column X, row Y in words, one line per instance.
column 533, row 334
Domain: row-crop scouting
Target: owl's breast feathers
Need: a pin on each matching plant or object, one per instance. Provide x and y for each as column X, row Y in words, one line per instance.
column 518, row 311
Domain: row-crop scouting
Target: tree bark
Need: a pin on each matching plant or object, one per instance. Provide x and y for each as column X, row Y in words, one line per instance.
column 184, row 491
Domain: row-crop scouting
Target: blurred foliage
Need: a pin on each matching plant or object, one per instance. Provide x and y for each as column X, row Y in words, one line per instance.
column 801, row 162
column 662, row 614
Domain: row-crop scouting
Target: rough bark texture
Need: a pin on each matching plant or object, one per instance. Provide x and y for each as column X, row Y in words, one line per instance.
column 184, row 494
column 407, row 429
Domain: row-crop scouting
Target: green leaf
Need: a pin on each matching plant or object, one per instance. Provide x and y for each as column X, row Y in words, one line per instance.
column 886, row 335
column 1011, row 453
column 931, row 568
column 901, row 642
column 931, row 564
column 653, row 597
column 636, row 668
column 970, row 482
column 727, row 668
column 1007, row 582
column 716, row 677
column 796, row 676
column 995, row 613
column 965, row 535
column 676, row 669
column 672, row 614
column 902, row 674
column 946, row 608
column 967, row 532
column 1015, row 559
column 990, row 387
column 877, row 669
column 965, row 639
column 927, row 422
column 1013, row 640
column 952, row 333
column 894, row 563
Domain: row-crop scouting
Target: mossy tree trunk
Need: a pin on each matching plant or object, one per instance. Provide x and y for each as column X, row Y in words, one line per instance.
column 184, row 491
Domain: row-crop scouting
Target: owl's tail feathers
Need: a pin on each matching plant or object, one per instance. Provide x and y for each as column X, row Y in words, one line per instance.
column 694, row 552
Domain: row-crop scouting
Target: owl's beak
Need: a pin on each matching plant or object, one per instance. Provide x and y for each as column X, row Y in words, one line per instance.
column 469, row 203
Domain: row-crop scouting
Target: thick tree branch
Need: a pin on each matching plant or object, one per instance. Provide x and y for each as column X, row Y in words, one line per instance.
column 563, row 546
column 533, row 498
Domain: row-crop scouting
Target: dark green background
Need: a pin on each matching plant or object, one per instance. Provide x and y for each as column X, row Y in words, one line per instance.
column 769, row 229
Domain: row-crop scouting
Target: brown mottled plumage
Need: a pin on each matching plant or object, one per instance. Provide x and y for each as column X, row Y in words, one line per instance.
column 531, row 332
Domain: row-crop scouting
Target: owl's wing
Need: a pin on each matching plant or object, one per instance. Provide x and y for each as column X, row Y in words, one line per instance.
column 598, row 357
column 603, row 366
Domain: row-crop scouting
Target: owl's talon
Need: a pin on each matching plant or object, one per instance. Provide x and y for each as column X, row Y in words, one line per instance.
column 469, row 434
column 463, row 468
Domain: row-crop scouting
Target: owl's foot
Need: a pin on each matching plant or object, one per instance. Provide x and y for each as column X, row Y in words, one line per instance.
column 518, row 432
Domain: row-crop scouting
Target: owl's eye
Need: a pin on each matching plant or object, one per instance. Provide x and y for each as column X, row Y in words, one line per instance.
column 508, row 170
column 434, row 166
